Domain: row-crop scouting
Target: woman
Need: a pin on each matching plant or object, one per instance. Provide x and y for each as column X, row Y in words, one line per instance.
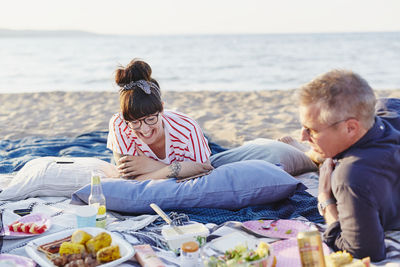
column 149, row 142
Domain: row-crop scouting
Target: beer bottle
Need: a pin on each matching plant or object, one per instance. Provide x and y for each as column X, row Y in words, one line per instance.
column 97, row 199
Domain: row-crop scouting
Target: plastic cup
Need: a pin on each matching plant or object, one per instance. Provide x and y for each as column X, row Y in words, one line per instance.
column 85, row 216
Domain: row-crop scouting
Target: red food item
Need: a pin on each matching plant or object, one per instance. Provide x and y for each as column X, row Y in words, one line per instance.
column 19, row 228
column 29, row 228
column 40, row 229
column 26, row 227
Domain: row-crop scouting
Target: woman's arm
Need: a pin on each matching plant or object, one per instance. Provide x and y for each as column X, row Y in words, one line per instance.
column 143, row 168
column 177, row 169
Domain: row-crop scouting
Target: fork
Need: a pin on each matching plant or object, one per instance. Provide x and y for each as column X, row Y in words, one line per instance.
column 270, row 224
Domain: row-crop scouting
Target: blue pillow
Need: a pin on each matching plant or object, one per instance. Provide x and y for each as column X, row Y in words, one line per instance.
column 231, row 186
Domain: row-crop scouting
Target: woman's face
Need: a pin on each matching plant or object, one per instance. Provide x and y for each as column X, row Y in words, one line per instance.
column 149, row 128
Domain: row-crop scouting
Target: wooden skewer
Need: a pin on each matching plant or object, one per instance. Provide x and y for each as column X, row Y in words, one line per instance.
column 49, row 255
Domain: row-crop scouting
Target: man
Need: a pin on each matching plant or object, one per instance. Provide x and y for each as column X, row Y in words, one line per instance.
column 359, row 184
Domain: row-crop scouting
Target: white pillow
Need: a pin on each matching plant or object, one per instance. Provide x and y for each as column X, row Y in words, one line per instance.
column 45, row 177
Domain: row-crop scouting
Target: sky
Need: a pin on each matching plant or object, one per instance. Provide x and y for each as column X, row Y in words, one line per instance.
column 155, row 17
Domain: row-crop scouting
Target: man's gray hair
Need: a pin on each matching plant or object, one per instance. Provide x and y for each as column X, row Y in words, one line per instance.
column 339, row 95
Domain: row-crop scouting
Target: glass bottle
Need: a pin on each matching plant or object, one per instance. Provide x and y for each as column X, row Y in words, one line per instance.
column 190, row 254
column 97, row 199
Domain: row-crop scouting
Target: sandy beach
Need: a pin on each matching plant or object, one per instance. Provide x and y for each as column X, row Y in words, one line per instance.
column 228, row 118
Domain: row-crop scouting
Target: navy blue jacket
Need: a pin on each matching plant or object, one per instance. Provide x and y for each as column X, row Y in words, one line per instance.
column 366, row 185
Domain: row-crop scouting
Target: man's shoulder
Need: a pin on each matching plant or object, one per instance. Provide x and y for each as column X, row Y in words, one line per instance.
column 365, row 164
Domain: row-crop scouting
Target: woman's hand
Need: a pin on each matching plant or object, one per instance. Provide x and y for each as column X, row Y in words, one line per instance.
column 132, row 166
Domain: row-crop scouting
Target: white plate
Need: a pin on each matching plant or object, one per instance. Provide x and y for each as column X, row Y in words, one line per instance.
column 219, row 245
column 37, row 218
column 125, row 248
column 16, row 260
column 230, row 241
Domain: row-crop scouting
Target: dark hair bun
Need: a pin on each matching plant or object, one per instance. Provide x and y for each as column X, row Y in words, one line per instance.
column 136, row 70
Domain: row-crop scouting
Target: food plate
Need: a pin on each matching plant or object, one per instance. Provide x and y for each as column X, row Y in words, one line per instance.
column 16, row 260
column 126, row 249
column 219, row 245
column 37, row 218
column 287, row 252
column 281, row 229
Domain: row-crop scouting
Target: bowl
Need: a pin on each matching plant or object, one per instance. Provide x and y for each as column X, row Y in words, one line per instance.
column 176, row 236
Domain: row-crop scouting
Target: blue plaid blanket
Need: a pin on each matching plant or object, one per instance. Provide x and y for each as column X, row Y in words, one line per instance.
column 15, row 153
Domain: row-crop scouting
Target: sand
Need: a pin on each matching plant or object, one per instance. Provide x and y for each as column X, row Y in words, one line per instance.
column 228, row 118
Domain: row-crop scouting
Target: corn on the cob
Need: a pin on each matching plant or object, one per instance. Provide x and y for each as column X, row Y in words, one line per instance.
column 107, row 254
column 80, row 237
column 67, row 248
column 98, row 242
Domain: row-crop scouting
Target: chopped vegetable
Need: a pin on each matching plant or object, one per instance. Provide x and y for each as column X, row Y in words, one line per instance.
column 288, row 232
column 239, row 255
column 29, row 228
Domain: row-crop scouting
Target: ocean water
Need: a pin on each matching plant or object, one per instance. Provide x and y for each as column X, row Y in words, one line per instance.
column 196, row 62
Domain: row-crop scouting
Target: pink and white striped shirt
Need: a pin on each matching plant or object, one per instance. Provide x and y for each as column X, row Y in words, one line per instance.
column 185, row 140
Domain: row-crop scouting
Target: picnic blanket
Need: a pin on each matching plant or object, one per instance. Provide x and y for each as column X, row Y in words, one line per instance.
column 145, row 228
column 15, row 153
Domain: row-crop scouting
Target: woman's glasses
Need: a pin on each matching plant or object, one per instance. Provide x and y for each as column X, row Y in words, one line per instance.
column 149, row 120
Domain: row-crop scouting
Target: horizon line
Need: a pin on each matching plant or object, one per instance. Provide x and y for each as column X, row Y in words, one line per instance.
column 83, row 32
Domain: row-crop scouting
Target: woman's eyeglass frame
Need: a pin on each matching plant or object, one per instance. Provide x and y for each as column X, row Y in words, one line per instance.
column 149, row 120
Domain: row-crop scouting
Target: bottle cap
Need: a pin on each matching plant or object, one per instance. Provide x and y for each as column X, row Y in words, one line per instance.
column 190, row 246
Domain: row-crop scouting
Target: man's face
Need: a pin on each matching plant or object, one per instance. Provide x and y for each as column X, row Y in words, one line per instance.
column 328, row 140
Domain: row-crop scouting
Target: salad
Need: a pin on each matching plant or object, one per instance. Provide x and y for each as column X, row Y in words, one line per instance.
column 240, row 255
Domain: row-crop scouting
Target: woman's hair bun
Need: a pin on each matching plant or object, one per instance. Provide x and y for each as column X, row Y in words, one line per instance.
column 136, row 70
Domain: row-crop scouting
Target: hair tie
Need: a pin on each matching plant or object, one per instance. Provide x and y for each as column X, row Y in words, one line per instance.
column 142, row 84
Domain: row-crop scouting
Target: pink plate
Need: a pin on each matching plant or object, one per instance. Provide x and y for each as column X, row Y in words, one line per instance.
column 282, row 228
column 287, row 252
column 37, row 218
column 16, row 260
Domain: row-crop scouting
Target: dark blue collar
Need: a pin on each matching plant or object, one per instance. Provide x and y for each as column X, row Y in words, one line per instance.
column 375, row 132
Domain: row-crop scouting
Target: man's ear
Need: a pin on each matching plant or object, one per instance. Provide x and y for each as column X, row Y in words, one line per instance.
column 353, row 126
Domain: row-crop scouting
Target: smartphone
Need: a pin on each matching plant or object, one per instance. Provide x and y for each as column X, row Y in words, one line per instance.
column 23, row 212
column 64, row 161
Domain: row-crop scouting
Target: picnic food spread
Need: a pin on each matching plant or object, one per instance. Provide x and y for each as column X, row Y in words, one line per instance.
column 81, row 249
column 240, row 254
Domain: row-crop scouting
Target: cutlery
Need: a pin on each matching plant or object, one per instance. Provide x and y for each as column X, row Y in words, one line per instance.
column 167, row 219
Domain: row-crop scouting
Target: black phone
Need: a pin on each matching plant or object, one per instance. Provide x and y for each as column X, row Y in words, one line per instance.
column 23, row 212
column 64, row 161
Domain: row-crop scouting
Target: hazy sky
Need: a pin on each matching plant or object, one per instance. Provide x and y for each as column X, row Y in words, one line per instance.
column 202, row 16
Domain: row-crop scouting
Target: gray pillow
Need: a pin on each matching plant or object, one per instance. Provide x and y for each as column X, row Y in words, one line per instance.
column 232, row 186
column 291, row 159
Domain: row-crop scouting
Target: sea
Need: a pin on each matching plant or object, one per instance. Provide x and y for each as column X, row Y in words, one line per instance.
column 87, row 62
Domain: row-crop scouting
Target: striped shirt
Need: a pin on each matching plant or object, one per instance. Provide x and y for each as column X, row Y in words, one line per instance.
column 185, row 140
